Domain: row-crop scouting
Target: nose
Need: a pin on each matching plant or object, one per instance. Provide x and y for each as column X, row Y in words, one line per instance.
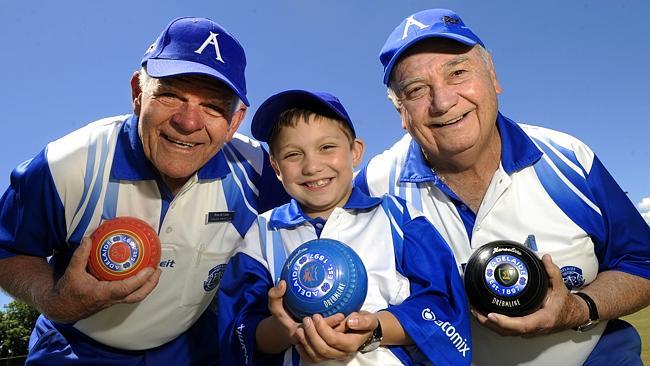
column 443, row 98
column 188, row 118
column 311, row 165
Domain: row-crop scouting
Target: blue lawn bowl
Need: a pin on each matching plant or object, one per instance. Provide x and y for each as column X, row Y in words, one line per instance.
column 324, row 276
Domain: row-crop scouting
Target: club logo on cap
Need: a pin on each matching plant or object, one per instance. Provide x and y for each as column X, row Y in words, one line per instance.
column 450, row 20
column 409, row 22
column 212, row 39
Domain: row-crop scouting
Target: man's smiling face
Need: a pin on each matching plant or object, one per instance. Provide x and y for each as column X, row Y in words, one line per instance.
column 183, row 122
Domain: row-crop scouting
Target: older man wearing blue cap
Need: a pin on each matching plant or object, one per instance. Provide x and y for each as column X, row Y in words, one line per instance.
column 479, row 177
column 176, row 163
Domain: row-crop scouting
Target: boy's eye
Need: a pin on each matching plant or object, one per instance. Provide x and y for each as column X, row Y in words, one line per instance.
column 291, row 154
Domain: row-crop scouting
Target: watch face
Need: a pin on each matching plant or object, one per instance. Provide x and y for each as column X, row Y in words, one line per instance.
column 374, row 342
column 587, row 327
column 371, row 346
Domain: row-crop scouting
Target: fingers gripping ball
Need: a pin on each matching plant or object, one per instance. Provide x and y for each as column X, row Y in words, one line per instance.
column 121, row 247
column 326, row 277
column 505, row 277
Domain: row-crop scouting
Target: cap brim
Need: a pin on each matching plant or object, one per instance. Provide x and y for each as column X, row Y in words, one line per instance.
column 269, row 112
column 160, row 68
column 456, row 37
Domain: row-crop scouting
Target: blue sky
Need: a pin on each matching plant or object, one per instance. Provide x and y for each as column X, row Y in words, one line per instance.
column 576, row 66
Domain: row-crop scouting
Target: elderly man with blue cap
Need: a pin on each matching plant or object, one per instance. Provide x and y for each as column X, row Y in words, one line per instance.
column 480, row 176
column 176, row 163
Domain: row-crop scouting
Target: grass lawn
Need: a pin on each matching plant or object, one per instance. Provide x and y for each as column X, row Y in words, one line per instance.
column 641, row 321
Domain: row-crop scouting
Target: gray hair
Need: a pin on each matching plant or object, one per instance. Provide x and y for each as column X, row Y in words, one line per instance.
column 147, row 81
column 486, row 56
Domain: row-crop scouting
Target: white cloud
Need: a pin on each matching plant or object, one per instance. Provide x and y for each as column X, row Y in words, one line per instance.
column 644, row 207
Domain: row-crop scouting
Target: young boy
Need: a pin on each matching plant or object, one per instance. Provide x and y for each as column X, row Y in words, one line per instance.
column 415, row 311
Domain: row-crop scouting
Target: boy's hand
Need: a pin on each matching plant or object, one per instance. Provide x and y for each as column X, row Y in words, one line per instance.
column 279, row 331
column 340, row 342
column 280, row 314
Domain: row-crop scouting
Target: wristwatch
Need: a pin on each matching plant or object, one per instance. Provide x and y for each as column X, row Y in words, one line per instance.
column 594, row 319
column 374, row 341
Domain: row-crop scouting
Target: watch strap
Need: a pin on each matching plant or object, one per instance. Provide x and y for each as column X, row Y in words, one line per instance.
column 374, row 341
column 593, row 312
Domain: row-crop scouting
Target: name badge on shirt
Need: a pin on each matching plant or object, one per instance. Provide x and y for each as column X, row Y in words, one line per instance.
column 224, row 216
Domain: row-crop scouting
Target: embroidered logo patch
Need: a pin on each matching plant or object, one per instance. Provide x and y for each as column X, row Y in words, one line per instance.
column 572, row 277
column 214, row 277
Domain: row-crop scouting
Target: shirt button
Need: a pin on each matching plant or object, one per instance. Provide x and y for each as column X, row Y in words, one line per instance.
column 463, row 207
column 319, row 225
column 169, row 229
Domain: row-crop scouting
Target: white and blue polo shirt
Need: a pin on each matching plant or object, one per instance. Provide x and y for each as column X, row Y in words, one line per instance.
column 549, row 185
column 393, row 240
column 100, row 172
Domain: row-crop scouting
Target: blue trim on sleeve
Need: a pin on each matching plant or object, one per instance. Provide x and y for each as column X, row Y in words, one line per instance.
column 569, row 154
column 235, row 200
column 101, row 143
column 436, row 314
column 32, row 217
column 417, row 196
column 279, row 255
column 242, row 179
column 576, row 179
column 262, row 227
column 392, row 182
column 88, row 178
column 110, row 201
column 569, row 202
column 626, row 246
column 391, row 209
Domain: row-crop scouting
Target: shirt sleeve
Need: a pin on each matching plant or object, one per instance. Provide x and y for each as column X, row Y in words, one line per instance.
column 436, row 314
column 32, row 217
column 627, row 236
column 243, row 303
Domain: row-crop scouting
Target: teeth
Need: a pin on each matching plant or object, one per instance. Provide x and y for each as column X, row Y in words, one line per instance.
column 180, row 143
column 453, row 121
column 318, row 183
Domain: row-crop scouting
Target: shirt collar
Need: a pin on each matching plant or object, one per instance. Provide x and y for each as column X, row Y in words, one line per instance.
column 291, row 215
column 130, row 162
column 517, row 152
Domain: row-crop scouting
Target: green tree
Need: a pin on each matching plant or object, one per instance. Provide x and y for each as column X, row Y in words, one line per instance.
column 16, row 324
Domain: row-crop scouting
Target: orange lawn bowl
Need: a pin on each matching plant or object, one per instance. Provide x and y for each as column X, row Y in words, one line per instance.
column 122, row 247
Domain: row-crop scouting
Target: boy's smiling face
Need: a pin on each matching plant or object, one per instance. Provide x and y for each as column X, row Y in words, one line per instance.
column 314, row 160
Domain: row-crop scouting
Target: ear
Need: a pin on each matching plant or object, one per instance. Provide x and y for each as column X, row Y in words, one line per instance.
column 136, row 93
column 236, row 120
column 358, row 147
column 403, row 115
column 493, row 75
column 276, row 168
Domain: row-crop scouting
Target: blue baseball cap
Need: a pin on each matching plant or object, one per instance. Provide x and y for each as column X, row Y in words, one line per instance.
column 268, row 113
column 198, row 46
column 425, row 24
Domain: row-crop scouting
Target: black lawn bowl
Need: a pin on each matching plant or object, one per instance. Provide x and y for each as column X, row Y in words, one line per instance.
column 505, row 277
